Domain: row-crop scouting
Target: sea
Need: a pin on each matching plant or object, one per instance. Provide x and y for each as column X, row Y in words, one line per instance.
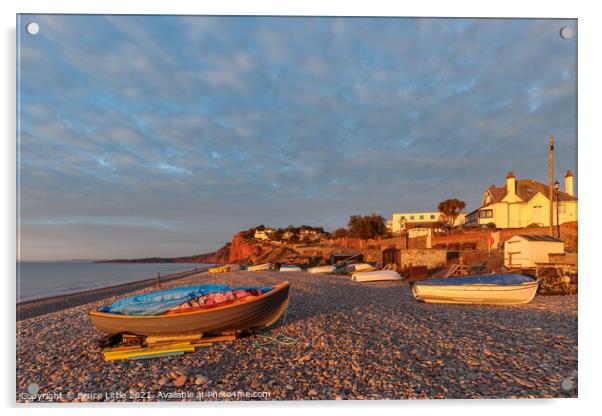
column 36, row 280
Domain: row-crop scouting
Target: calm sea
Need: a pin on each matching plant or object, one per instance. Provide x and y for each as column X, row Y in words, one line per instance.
column 38, row 280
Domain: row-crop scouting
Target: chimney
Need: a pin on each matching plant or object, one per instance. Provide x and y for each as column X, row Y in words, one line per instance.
column 568, row 182
column 510, row 186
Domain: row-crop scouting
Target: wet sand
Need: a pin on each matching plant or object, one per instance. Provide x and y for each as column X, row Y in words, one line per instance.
column 352, row 341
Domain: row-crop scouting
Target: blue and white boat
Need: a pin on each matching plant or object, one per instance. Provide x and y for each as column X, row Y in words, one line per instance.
column 290, row 268
column 492, row 289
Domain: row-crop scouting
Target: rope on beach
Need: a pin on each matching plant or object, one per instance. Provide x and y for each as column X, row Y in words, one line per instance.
column 279, row 338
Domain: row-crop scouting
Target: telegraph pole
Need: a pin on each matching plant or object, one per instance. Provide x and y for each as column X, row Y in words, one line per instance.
column 551, row 186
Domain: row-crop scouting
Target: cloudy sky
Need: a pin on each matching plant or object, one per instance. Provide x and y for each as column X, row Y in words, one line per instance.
column 143, row 136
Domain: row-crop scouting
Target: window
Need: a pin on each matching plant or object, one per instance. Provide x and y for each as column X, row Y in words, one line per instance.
column 432, row 216
column 403, row 217
column 486, row 213
column 411, row 217
column 561, row 209
column 422, row 217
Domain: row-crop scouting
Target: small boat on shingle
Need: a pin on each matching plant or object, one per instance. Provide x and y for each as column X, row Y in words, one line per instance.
column 375, row 276
column 290, row 268
column 322, row 269
column 492, row 289
column 193, row 310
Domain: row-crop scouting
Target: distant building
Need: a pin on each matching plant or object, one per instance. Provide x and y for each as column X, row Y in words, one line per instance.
column 528, row 250
column 523, row 202
column 405, row 221
column 312, row 235
column 264, row 234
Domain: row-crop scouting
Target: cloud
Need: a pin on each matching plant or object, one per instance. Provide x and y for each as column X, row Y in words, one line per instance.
column 213, row 124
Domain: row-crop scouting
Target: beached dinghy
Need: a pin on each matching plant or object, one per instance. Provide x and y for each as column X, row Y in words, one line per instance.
column 322, row 269
column 359, row 267
column 494, row 289
column 290, row 268
column 259, row 267
column 375, row 276
column 249, row 313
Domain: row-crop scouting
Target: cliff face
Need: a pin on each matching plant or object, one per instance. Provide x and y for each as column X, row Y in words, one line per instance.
column 221, row 256
column 242, row 250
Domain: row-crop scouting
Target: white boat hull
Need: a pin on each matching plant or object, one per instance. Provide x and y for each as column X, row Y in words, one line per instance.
column 487, row 294
column 322, row 269
column 290, row 269
column 259, row 267
column 360, row 267
column 375, row 276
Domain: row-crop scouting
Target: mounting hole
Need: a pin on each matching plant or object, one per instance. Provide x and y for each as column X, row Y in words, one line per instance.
column 566, row 32
column 32, row 28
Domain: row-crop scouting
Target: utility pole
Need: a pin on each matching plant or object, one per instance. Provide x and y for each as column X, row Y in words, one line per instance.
column 551, row 186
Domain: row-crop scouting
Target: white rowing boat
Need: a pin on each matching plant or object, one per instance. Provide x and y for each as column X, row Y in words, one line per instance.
column 290, row 268
column 259, row 267
column 359, row 267
column 322, row 269
column 375, row 276
column 497, row 289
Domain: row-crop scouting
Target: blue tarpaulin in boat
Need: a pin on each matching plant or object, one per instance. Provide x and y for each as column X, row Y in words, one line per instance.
column 483, row 279
column 155, row 303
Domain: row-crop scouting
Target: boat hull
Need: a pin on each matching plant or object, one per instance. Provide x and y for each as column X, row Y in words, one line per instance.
column 476, row 294
column 322, row 269
column 258, row 313
column 259, row 267
column 376, row 276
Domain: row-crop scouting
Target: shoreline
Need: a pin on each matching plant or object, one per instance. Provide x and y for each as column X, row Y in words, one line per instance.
column 42, row 306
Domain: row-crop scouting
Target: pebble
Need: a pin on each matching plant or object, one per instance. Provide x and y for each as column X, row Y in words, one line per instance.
column 354, row 340
column 180, row 381
column 201, row 380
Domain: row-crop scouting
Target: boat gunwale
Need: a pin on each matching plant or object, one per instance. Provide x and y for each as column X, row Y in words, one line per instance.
column 525, row 284
column 275, row 289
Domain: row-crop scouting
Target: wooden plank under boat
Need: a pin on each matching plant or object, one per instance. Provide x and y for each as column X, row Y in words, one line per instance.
column 476, row 293
column 257, row 312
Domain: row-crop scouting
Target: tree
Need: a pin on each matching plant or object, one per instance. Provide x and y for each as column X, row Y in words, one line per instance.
column 340, row 233
column 450, row 208
column 367, row 226
column 278, row 234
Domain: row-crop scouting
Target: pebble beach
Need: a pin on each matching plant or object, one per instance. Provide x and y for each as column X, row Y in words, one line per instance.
column 338, row 340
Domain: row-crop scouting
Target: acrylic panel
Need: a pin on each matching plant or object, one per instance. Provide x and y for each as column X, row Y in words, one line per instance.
column 295, row 208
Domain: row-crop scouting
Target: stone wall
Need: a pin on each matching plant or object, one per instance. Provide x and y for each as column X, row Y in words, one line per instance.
column 427, row 257
column 568, row 233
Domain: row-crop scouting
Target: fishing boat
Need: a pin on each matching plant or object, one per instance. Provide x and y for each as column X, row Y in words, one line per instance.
column 375, row 276
column 252, row 312
column 359, row 267
column 493, row 289
column 290, row 268
column 259, row 267
column 322, row 269
column 219, row 269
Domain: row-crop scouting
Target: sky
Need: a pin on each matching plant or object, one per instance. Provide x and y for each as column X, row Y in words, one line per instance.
column 164, row 135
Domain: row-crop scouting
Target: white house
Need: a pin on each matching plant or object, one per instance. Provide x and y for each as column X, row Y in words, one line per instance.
column 264, row 234
column 523, row 251
column 404, row 221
